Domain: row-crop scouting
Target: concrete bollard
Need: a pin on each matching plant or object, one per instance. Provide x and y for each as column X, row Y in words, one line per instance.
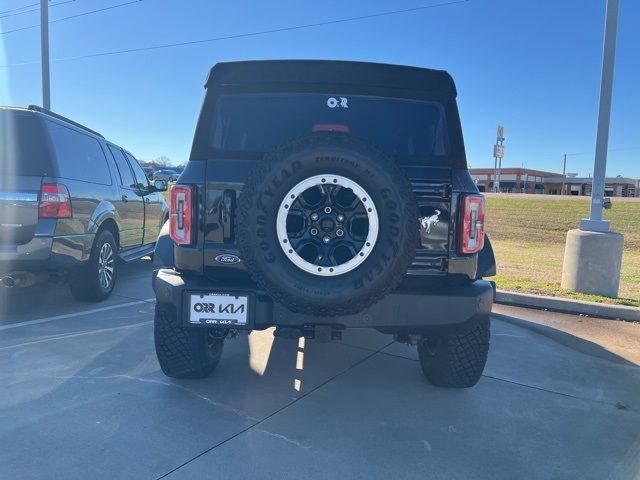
column 592, row 262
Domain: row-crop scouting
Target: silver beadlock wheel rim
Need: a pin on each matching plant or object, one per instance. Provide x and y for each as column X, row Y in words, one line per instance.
column 366, row 205
column 105, row 265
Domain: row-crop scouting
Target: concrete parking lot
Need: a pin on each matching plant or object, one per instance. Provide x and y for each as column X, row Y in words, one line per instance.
column 83, row 397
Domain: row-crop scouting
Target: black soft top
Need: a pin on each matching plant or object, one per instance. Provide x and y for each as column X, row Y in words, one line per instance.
column 331, row 72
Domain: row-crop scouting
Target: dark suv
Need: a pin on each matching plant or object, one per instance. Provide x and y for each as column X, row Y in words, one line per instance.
column 70, row 203
column 324, row 195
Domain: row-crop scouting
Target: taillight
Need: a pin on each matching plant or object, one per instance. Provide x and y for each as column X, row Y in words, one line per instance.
column 472, row 238
column 180, row 215
column 54, row 201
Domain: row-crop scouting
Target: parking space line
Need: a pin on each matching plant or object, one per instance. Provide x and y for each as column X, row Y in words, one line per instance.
column 74, row 314
column 76, row 334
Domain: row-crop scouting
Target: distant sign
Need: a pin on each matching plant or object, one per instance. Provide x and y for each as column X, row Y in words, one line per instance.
column 498, row 151
column 500, row 133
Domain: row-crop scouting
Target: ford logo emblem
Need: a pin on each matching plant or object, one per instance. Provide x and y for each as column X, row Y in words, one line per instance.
column 228, row 259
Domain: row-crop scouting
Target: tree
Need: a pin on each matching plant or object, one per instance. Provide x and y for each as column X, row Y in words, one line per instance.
column 162, row 161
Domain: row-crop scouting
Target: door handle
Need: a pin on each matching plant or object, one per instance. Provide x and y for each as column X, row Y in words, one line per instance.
column 125, row 199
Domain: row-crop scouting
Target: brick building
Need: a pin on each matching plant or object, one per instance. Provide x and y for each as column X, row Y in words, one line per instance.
column 513, row 180
column 524, row 180
column 614, row 186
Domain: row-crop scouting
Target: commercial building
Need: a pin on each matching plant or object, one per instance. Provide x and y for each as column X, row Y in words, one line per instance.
column 513, row 180
column 524, row 180
column 614, row 186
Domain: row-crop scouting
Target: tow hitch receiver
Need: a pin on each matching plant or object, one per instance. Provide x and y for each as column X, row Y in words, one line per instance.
column 322, row 333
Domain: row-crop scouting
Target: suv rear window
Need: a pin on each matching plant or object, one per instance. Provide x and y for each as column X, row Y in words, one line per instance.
column 79, row 156
column 23, row 148
column 258, row 123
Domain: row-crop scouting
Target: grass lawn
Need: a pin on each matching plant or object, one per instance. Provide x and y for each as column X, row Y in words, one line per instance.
column 528, row 234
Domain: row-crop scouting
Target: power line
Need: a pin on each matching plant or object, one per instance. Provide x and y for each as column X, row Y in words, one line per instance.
column 2, row 14
column 74, row 16
column 19, row 8
column 249, row 34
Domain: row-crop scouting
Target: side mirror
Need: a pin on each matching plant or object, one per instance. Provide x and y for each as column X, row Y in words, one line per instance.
column 160, row 186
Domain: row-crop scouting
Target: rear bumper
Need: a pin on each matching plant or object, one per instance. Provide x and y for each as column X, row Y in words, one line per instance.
column 46, row 253
column 399, row 312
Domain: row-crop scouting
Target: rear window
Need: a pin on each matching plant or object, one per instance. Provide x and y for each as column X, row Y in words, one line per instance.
column 79, row 156
column 23, row 148
column 259, row 123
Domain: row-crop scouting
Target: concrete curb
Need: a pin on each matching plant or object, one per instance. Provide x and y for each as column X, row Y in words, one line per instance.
column 569, row 340
column 563, row 305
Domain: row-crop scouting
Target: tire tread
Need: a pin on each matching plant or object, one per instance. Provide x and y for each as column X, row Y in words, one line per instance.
column 182, row 351
column 459, row 357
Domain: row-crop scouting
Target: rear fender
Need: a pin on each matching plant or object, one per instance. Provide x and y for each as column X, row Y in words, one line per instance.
column 163, row 255
column 104, row 210
column 486, row 260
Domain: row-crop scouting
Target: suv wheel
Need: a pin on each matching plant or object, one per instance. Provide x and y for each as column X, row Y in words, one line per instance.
column 95, row 280
column 327, row 225
column 455, row 359
column 184, row 352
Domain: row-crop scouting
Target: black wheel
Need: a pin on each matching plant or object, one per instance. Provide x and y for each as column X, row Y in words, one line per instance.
column 184, row 352
column 95, row 280
column 456, row 359
column 327, row 225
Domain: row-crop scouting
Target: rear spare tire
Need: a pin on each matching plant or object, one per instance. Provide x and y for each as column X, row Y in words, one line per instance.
column 327, row 225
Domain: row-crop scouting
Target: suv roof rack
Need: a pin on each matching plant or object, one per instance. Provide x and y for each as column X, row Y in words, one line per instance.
column 36, row 108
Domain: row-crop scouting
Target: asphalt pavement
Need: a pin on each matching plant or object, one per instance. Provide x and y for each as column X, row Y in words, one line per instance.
column 83, row 397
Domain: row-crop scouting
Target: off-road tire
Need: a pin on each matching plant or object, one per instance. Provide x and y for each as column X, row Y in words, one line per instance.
column 84, row 282
column 183, row 352
column 327, row 154
column 456, row 359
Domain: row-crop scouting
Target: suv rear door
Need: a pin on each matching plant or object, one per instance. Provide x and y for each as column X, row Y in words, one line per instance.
column 24, row 160
column 130, row 205
column 415, row 132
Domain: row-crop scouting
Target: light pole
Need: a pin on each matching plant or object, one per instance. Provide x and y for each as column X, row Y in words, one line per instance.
column 44, row 52
column 564, row 173
column 498, row 154
column 593, row 254
column 595, row 222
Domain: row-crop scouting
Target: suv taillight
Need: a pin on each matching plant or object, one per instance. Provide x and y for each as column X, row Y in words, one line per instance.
column 180, row 215
column 54, row 201
column 472, row 238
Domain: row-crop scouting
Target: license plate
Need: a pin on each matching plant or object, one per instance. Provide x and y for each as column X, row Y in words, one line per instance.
column 218, row 309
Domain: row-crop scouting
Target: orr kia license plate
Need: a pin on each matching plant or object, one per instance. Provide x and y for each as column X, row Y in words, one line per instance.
column 218, row 309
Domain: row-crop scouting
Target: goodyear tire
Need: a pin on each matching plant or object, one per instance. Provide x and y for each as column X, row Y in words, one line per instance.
column 327, row 225
column 184, row 352
column 456, row 359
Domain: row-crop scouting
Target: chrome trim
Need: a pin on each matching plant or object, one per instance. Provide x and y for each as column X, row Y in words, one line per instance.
column 18, row 197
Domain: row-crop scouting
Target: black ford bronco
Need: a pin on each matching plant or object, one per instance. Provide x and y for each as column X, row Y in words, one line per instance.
column 320, row 196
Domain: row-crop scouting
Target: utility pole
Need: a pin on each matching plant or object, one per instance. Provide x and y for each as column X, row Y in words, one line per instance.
column 564, row 173
column 44, row 52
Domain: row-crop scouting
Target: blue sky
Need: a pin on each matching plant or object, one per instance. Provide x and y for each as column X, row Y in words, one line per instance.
column 533, row 66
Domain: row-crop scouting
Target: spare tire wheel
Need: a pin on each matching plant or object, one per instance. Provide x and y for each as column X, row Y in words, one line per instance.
column 327, row 225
